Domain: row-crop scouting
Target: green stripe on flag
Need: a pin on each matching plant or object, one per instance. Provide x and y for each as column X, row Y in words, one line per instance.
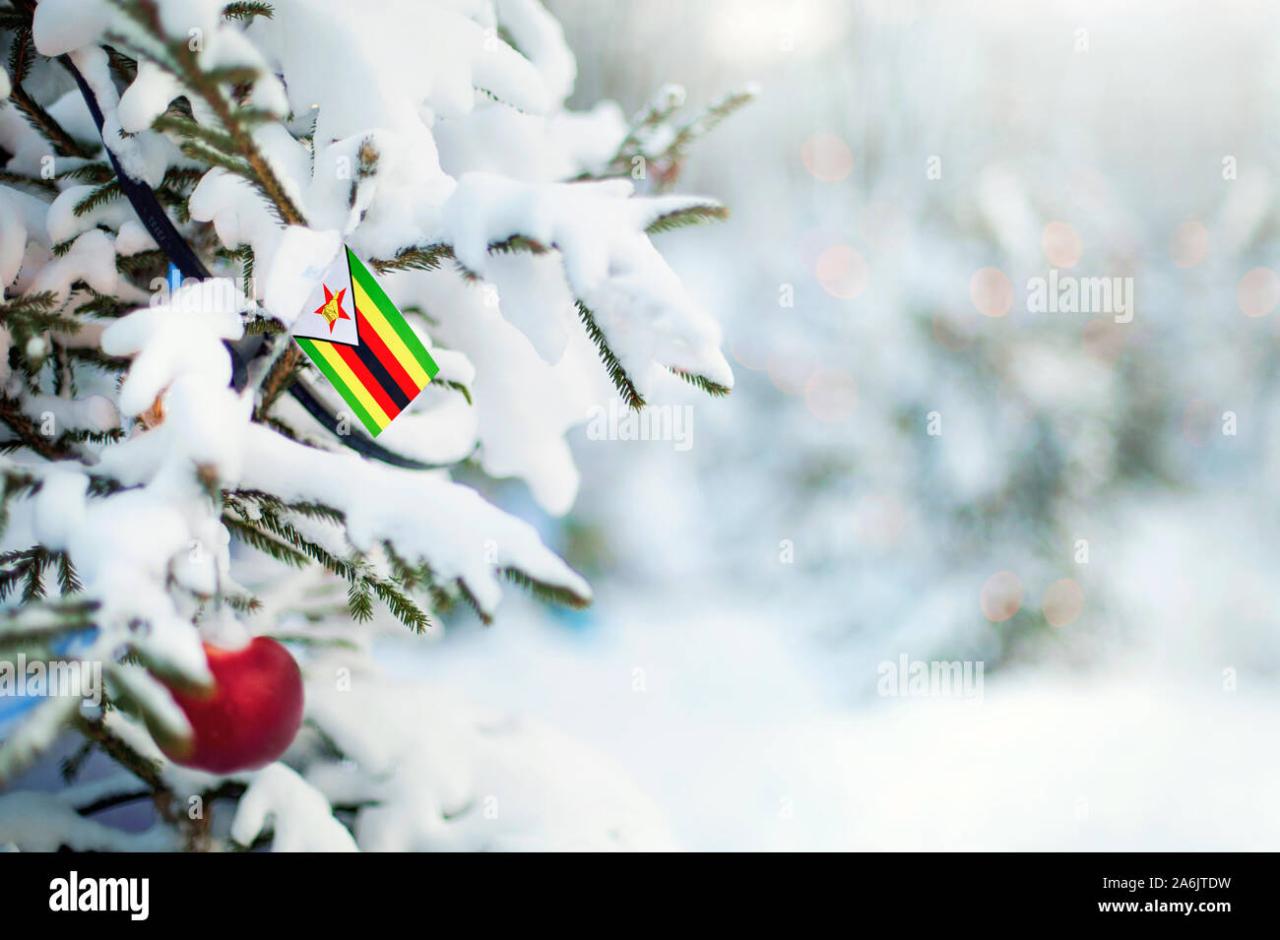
column 393, row 315
column 335, row 380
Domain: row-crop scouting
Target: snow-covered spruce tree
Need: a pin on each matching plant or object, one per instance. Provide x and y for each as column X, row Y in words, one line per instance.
column 176, row 476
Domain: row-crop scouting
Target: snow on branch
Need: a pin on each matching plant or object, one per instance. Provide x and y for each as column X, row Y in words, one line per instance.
column 43, row 822
column 448, row 526
column 298, row 815
column 632, row 304
column 138, row 488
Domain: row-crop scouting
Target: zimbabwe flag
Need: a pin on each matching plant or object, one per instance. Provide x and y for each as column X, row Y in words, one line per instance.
column 355, row 335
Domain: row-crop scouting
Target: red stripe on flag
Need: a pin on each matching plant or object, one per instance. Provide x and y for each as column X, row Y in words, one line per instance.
column 367, row 380
column 369, row 336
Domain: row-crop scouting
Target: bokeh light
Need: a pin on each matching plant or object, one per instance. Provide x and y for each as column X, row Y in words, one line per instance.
column 842, row 271
column 991, row 292
column 827, row 157
column 1001, row 596
column 789, row 370
column 830, row 395
column 1063, row 602
column 1258, row 292
column 1062, row 245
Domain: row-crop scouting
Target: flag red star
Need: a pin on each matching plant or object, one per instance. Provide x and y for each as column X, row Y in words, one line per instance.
column 331, row 309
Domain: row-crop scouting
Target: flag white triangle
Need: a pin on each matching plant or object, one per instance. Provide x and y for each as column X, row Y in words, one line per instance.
column 330, row 310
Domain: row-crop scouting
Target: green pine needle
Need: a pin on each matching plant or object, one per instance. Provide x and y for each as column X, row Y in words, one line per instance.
column 247, row 10
column 551, row 593
column 99, row 197
column 684, row 218
column 714, row 389
column 255, row 537
column 426, row 258
column 621, row 381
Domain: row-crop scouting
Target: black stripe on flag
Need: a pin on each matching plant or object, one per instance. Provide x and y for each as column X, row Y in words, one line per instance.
column 382, row 376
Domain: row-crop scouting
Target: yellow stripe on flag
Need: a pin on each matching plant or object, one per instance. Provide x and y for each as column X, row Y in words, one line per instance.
column 372, row 313
column 339, row 365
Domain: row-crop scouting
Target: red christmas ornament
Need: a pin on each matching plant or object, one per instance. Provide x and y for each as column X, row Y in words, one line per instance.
column 251, row 716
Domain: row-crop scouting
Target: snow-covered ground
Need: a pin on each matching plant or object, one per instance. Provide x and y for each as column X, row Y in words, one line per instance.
column 715, row 712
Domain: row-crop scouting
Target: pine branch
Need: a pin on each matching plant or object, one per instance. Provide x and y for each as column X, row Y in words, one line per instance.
column 709, row 120
column 96, row 358
column 366, row 167
column 621, row 381
column 283, row 373
column 21, row 54
column 114, row 799
column 145, row 769
column 518, row 244
column 143, row 262
column 242, row 603
column 247, row 262
column 263, row 326
column 71, row 765
column 13, row 483
column 122, row 66
column 469, row 596
column 255, row 537
column 679, row 218
column 88, row 436
column 183, row 179
column 661, row 107
column 88, row 173
column 400, row 605
column 29, row 564
column 31, row 314
column 430, row 258
column 714, row 389
column 189, row 129
column 243, row 255
column 551, row 593
column 360, row 601
column 686, row 217
column 68, row 581
column 48, row 187
column 199, row 150
column 11, row 414
column 37, row 622
column 675, row 142
column 427, row 258
column 207, row 85
column 310, row 510
column 363, row 585
column 99, row 197
column 456, row 387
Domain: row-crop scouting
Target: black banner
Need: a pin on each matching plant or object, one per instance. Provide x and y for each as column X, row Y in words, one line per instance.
column 1202, row 892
